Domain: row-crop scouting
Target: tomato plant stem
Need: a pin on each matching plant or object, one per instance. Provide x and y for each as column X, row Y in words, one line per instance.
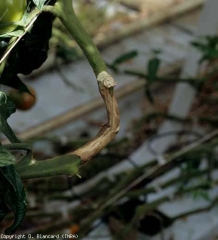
column 63, row 9
column 66, row 164
column 69, row 164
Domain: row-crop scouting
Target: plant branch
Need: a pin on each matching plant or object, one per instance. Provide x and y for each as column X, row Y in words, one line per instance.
column 69, row 164
column 28, row 167
column 62, row 165
column 63, row 9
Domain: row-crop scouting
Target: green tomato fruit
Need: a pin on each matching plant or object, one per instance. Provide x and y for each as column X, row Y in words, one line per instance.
column 11, row 11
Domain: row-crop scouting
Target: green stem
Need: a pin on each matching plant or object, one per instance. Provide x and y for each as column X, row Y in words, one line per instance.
column 63, row 9
column 69, row 164
column 62, row 165
column 29, row 168
column 18, row 146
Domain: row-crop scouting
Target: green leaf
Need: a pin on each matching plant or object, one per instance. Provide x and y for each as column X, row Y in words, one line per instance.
column 209, row 55
column 157, row 51
column 208, row 47
column 112, row 67
column 7, row 107
column 16, row 33
column 125, row 57
column 201, row 193
column 39, row 3
column 199, row 46
column 13, row 195
column 211, row 41
column 3, row 208
column 149, row 95
column 6, row 158
column 152, row 69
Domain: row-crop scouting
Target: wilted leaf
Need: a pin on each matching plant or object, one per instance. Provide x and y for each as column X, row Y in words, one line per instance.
column 29, row 53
